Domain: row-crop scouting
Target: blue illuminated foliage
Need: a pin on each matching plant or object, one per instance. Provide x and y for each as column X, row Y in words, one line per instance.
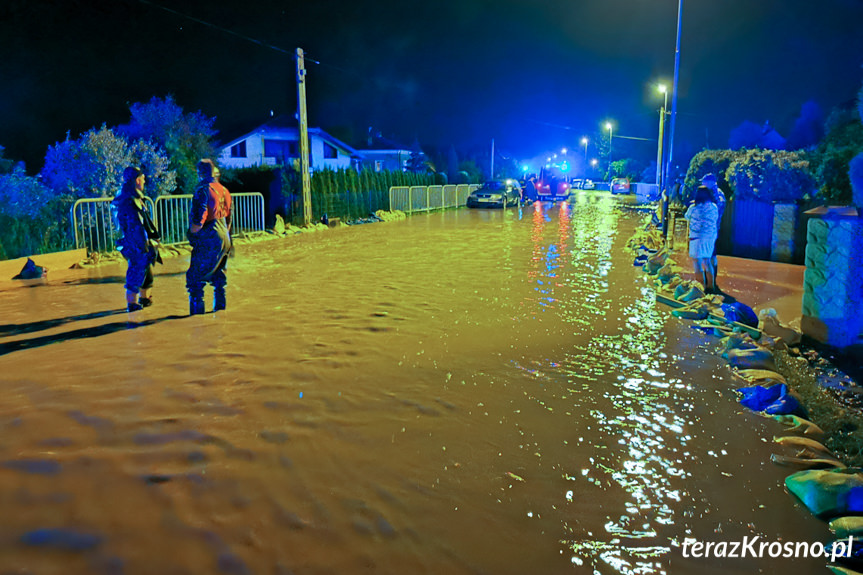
column 92, row 165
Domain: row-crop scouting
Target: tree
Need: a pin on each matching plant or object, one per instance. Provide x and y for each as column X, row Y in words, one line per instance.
column 843, row 140
column 855, row 171
column 417, row 162
column 185, row 137
column 771, row 176
column 6, row 165
column 855, row 174
column 92, row 166
column 469, row 173
column 626, row 168
column 808, row 127
column 452, row 164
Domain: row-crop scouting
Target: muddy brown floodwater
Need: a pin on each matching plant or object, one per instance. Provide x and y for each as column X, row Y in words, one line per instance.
column 461, row 392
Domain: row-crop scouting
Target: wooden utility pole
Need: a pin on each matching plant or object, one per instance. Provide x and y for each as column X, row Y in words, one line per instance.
column 659, row 181
column 302, row 120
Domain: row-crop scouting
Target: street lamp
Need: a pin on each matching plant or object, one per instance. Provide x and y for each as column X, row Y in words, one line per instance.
column 674, row 89
column 584, row 141
column 660, row 180
column 593, row 163
column 610, row 129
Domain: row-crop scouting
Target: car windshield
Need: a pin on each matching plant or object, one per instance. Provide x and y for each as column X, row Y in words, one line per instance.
column 493, row 186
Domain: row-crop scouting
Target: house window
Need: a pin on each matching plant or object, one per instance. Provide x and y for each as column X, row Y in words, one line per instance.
column 281, row 149
column 379, row 166
column 330, row 152
column 239, row 150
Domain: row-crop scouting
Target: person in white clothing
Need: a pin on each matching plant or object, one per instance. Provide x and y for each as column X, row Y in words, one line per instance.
column 703, row 216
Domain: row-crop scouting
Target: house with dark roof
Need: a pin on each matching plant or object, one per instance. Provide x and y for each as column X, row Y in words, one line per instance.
column 381, row 153
column 277, row 142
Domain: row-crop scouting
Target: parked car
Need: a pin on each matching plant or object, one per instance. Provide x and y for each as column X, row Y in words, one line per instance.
column 495, row 194
column 577, row 183
column 620, row 186
column 588, row 185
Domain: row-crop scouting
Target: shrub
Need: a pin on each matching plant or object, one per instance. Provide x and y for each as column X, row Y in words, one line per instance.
column 855, row 173
column 710, row 162
column 771, row 176
column 842, row 142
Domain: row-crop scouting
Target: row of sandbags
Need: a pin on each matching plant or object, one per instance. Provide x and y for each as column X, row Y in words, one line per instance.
column 828, row 488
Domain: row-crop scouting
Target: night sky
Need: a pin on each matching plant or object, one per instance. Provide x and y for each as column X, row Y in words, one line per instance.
column 533, row 75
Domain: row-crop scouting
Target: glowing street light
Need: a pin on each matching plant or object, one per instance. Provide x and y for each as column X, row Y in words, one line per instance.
column 584, row 142
column 563, row 151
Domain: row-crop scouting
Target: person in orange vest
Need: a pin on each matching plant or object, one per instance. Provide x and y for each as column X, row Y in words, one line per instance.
column 210, row 238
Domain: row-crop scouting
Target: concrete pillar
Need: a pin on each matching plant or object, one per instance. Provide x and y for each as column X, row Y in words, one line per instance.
column 784, row 225
column 833, row 281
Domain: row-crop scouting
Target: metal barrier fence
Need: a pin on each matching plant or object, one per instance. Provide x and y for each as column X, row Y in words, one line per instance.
column 94, row 228
column 426, row 198
column 93, row 224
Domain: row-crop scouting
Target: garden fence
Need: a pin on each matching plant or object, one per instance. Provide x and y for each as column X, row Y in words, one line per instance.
column 426, row 198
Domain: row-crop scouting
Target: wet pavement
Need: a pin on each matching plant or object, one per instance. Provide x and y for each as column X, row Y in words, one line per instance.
column 462, row 392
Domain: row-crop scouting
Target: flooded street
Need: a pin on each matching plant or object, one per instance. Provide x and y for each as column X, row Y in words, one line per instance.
column 462, row 392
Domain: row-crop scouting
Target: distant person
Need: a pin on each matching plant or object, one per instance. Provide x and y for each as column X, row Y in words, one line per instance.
column 530, row 194
column 139, row 240
column 709, row 180
column 703, row 216
column 669, row 198
column 210, row 238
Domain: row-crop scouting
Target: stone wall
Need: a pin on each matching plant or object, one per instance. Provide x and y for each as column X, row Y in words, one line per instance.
column 833, row 282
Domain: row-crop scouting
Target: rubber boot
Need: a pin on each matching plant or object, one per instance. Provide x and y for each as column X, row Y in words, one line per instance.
column 710, row 283
column 705, row 282
column 196, row 305
column 219, row 302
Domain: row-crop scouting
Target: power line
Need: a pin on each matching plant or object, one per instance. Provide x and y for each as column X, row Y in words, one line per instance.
column 221, row 29
column 291, row 53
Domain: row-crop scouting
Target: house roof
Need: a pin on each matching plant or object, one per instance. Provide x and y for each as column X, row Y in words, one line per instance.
column 287, row 125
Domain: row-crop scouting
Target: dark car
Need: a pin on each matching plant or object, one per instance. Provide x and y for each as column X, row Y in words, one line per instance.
column 495, row 194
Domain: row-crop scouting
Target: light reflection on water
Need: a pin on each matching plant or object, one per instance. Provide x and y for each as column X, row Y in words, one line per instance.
column 473, row 391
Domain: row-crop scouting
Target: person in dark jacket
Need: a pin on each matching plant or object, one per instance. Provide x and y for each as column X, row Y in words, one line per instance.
column 139, row 240
column 210, row 238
